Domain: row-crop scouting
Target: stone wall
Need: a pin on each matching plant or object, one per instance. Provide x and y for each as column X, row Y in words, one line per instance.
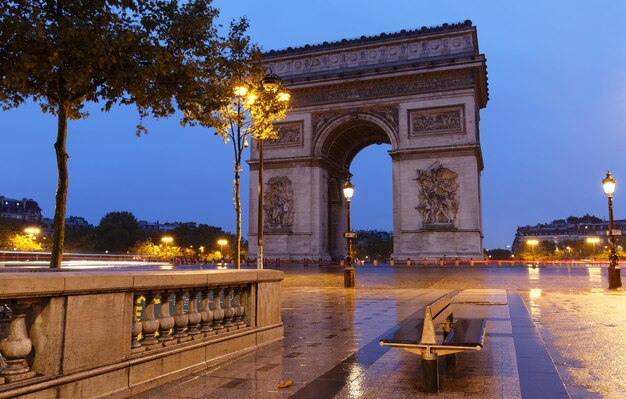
column 95, row 334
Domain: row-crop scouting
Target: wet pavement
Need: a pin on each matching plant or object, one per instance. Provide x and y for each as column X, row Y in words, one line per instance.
column 552, row 332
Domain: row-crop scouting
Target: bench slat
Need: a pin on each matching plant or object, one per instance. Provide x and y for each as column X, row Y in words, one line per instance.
column 440, row 309
column 467, row 332
column 410, row 332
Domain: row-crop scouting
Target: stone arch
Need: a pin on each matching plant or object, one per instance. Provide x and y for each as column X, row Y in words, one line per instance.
column 342, row 138
column 420, row 91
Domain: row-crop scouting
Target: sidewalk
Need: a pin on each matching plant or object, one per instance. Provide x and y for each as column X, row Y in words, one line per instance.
column 331, row 350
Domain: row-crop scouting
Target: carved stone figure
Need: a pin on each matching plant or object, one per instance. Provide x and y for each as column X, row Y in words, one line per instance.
column 278, row 203
column 437, row 198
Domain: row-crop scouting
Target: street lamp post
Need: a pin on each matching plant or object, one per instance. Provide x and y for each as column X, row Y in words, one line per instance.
column 259, row 250
column 221, row 242
column 615, row 277
column 593, row 241
column 533, row 243
column 271, row 83
column 167, row 241
column 348, row 273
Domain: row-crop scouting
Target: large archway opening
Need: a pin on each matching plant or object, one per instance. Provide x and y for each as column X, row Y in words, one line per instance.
column 372, row 205
column 344, row 142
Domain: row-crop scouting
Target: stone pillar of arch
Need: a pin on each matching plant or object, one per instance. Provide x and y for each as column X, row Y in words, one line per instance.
column 419, row 91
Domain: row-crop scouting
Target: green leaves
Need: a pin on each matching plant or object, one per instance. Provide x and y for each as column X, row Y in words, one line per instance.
column 148, row 53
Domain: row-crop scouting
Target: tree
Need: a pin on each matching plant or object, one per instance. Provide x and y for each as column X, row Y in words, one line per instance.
column 145, row 248
column 8, row 228
column 117, row 231
column 81, row 239
column 62, row 54
column 498, row 254
column 24, row 242
column 254, row 106
column 373, row 244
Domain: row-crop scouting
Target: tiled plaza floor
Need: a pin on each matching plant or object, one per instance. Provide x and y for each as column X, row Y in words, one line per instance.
column 331, row 338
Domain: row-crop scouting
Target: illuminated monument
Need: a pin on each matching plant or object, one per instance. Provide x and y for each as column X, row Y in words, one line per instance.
column 420, row 91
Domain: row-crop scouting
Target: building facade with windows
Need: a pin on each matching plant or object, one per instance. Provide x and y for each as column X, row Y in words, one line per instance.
column 570, row 229
column 26, row 209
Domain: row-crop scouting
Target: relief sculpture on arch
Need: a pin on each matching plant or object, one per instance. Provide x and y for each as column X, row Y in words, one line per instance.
column 278, row 203
column 438, row 202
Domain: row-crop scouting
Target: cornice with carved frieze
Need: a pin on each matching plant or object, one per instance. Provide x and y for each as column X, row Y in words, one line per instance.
column 383, row 88
column 377, row 53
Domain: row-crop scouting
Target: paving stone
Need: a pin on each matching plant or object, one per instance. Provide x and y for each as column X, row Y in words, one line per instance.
column 331, row 335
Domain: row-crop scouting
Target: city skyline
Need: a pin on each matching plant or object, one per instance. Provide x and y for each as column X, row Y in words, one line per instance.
column 553, row 126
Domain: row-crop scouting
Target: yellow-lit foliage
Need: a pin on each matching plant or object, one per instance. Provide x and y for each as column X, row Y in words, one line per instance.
column 22, row 242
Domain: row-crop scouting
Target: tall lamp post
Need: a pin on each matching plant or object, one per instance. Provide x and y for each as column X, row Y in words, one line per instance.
column 167, row 241
column 533, row 243
column 221, row 242
column 615, row 277
column 593, row 241
column 348, row 273
column 270, row 83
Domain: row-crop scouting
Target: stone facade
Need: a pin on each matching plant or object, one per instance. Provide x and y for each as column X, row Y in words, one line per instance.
column 420, row 91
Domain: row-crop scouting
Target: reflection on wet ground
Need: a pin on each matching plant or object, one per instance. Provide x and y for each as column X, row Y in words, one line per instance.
column 540, row 321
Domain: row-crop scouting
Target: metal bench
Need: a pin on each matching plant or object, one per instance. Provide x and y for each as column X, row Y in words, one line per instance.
column 418, row 336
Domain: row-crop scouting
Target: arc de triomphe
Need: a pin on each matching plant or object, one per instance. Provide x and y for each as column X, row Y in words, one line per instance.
column 420, row 91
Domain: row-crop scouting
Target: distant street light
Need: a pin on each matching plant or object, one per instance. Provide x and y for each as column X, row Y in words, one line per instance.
column 593, row 241
column 167, row 240
column 533, row 243
column 348, row 273
column 33, row 232
column 615, row 277
column 221, row 242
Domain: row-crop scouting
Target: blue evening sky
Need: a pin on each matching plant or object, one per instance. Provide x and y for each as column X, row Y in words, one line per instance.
column 555, row 122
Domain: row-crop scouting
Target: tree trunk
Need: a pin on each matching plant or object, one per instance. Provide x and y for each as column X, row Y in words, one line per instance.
column 62, row 184
column 238, row 210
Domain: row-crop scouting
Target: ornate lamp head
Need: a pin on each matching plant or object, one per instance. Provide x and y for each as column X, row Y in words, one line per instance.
column 348, row 190
column 608, row 183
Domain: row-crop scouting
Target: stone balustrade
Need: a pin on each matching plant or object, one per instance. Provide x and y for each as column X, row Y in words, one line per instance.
column 96, row 333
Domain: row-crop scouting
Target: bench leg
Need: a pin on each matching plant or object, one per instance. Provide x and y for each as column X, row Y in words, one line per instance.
column 430, row 373
column 450, row 360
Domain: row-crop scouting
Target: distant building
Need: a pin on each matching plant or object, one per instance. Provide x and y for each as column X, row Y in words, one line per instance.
column 163, row 227
column 25, row 209
column 77, row 222
column 148, row 226
column 572, row 229
column 71, row 223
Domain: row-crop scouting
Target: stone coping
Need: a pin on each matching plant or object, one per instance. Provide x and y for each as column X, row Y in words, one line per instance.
column 20, row 284
column 424, row 30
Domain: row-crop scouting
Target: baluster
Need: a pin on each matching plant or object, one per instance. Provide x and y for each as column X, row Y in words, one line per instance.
column 181, row 319
column 137, row 328
column 17, row 346
column 149, row 323
column 207, row 314
column 194, row 316
column 229, row 311
column 166, row 321
column 239, row 308
column 218, row 312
